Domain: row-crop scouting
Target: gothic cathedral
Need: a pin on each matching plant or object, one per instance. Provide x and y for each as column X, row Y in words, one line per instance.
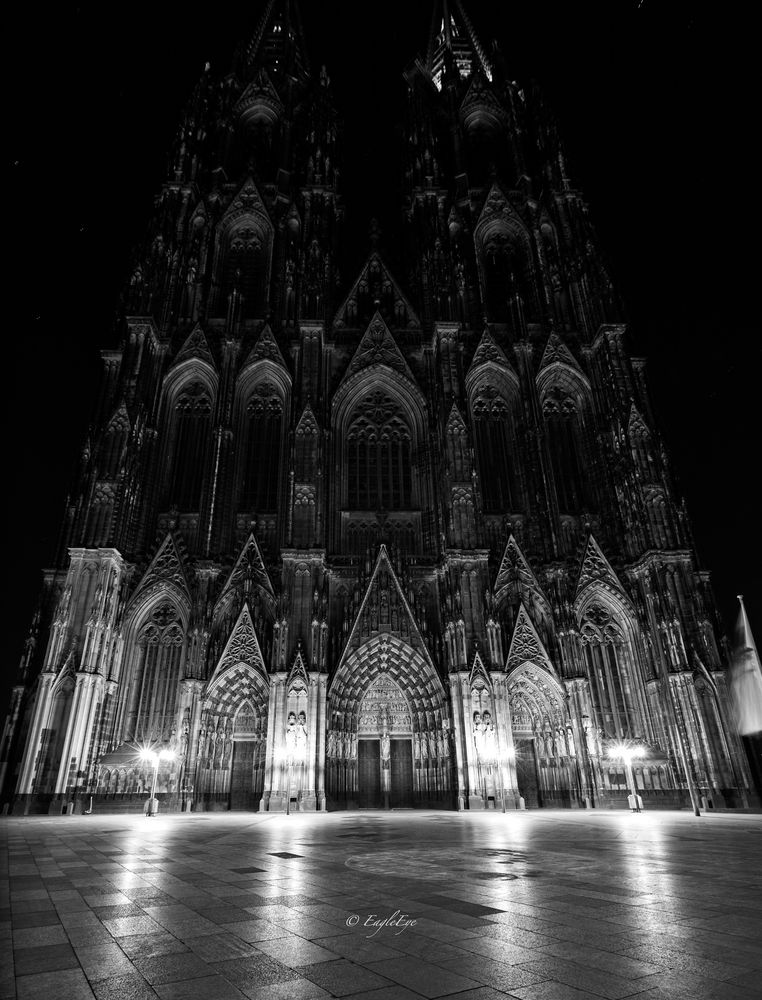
column 372, row 540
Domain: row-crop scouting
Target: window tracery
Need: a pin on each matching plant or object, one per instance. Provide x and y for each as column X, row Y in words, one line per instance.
column 160, row 644
column 379, row 454
column 191, row 442
column 495, row 450
column 562, row 422
column 263, row 448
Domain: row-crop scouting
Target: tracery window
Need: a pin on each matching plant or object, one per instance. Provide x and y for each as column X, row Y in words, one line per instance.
column 379, row 454
column 245, row 269
column 191, row 445
column 264, row 434
column 155, row 684
column 606, row 657
column 563, row 435
column 494, row 449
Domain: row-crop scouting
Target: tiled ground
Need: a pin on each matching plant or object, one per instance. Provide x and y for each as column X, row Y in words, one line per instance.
column 536, row 906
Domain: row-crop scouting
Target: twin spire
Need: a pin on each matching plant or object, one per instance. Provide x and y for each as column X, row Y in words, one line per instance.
column 279, row 38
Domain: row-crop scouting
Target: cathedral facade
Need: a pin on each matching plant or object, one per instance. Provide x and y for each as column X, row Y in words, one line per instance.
column 373, row 539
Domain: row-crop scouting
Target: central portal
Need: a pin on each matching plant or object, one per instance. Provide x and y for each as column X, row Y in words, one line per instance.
column 385, row 783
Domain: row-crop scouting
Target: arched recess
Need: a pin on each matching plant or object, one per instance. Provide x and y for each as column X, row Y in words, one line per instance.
column 495, row 407
column 188, row 401
column 546, row 764
column 386, row 690
column 53, row 735
column 261, row 418
column 243, row 256
column 566, row 400
column 506, row 265
column 230, row 765
column 613, row 664
column 155, row 648
column 380, row 431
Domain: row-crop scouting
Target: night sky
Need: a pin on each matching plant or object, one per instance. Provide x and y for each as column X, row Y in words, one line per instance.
column 659, row 121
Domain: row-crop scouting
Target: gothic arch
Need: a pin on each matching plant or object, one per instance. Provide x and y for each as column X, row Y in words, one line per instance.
column 380, row 442
column 187, row 413
column 566, row 401
column 243, row 253
column 261, row 418
column 505, row 256
column 613, row 662
column 155, row 649
column 495, row 408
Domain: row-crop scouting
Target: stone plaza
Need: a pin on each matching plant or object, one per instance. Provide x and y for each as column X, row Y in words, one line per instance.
column 391, row 905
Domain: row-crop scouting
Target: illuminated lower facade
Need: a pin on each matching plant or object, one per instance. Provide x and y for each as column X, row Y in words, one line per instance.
column 345, row 539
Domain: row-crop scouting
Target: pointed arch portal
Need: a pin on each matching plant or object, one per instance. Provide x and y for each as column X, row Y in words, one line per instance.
column 387, row 745
column 546, row 764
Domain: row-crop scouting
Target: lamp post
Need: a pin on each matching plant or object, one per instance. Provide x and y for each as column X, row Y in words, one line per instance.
column 627, row 752
column 153, row 757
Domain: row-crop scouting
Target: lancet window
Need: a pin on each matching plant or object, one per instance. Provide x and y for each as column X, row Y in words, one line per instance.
column 379, row 454
column 245, row 267
column 609, row 669
column 263, row 449
column 154, row 685
column 563, row 428
column 493, row 438
column 190, row 446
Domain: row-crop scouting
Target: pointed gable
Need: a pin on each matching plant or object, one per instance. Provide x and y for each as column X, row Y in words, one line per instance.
column 498, row 213
column 488, row 352
column 526, row 645
column 478, row 675
column 556, row 352
column 456, row 425
column 480, row 108
column 385, row 608
column 166, row 567
column 377, row 283
column 266, row 349
column 307, row 423
column 260, row 103
column 596, row 569
column 120, row 420
column 514, row 568
column 248, row 573
column 636, row 425
column 378, row 347
column 247, row 202
column 196, row 346
column 241, row 647
column 298, row 676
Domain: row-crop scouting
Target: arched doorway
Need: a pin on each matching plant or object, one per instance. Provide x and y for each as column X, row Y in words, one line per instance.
column 546, row 758
column 387, row 744
column 230, row 766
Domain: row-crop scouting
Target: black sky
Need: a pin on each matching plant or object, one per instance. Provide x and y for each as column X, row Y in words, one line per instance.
column 659, row 117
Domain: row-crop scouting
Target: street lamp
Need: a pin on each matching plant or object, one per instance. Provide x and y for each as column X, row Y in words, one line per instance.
column 152, row 757
column 627, row 751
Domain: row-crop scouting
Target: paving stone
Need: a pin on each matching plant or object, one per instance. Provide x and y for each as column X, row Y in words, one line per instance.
column 611, row 912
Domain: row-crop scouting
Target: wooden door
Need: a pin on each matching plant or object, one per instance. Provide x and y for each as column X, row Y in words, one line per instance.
column 526, row 773
column 401, row 763
column 243, row 794
column 369, row 774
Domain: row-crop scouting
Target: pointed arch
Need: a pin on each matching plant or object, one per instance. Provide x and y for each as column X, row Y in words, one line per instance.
column 149, row 683
column 608, row 632
column 243, row 253
column 566, row 401
column 506, row 262
column 188, row 401
column 262, row 406
column 495, row 408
